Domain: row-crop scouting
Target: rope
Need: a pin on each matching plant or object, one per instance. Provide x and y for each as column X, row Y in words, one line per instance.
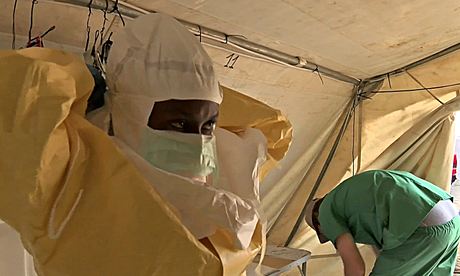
column 426, row 89
column 115, row 9
column 34, row 2
column 88, row 27
column 13, row 43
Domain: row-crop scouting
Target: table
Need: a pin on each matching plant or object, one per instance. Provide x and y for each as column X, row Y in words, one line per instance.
column 282, row 259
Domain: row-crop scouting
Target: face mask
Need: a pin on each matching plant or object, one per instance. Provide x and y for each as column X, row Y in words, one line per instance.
column 189, row 155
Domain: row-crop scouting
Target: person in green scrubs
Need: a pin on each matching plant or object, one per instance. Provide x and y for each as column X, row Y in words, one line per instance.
column 412, row 222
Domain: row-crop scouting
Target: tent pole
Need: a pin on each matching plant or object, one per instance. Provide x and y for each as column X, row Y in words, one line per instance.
column 351, row 106
column 227, row 39
column 417, row 63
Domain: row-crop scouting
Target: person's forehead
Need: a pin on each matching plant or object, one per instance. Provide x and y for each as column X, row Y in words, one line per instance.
column 187, row 106
column 194, row 110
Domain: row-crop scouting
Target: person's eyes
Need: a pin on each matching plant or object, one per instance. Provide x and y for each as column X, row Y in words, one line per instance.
column 179, row 125
column 209, row 126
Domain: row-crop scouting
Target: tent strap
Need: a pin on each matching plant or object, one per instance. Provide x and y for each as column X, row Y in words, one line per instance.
column 426, row 89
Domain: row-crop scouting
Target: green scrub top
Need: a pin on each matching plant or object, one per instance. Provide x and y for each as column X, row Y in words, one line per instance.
column 381, row 208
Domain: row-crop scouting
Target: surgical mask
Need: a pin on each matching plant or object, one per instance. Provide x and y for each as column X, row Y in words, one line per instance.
column 185, row 154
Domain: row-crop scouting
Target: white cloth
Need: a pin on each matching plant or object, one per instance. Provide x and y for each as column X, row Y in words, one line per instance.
column 232, row 204
column 155, row 58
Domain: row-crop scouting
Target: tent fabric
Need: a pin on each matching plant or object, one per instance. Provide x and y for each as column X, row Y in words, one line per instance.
column 406, row 131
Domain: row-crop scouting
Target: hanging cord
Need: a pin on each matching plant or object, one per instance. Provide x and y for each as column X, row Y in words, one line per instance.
column 105, row 10
column 34, row 2
column 47, row 31
column 88, row 27
column 105, row 49
column 426, row 89
column 115, row 9
column 319, row 74
column 38, row 40
column 13, row 43
column 93, row 49
column 35, row 42
column 389, row 80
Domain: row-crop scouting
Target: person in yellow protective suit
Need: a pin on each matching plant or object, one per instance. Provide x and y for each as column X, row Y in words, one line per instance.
column 84, row 205
column 79, row 206
column 162, row 109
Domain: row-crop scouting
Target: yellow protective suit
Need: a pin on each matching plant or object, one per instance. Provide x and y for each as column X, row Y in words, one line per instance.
column 80, row 206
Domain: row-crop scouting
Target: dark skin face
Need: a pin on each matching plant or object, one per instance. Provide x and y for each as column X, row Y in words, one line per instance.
column 187, row 116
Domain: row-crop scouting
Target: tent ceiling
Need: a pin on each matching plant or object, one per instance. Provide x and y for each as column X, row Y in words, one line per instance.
column 358, row 38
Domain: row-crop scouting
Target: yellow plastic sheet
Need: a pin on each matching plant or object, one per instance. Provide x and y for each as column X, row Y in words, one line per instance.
column 235, row 261
column 80, row 207
column 239, row 112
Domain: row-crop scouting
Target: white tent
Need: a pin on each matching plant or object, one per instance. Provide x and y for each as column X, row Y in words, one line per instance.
column 321, row 63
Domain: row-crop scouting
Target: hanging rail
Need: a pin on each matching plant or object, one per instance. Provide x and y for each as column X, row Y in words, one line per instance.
column 300, row 62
